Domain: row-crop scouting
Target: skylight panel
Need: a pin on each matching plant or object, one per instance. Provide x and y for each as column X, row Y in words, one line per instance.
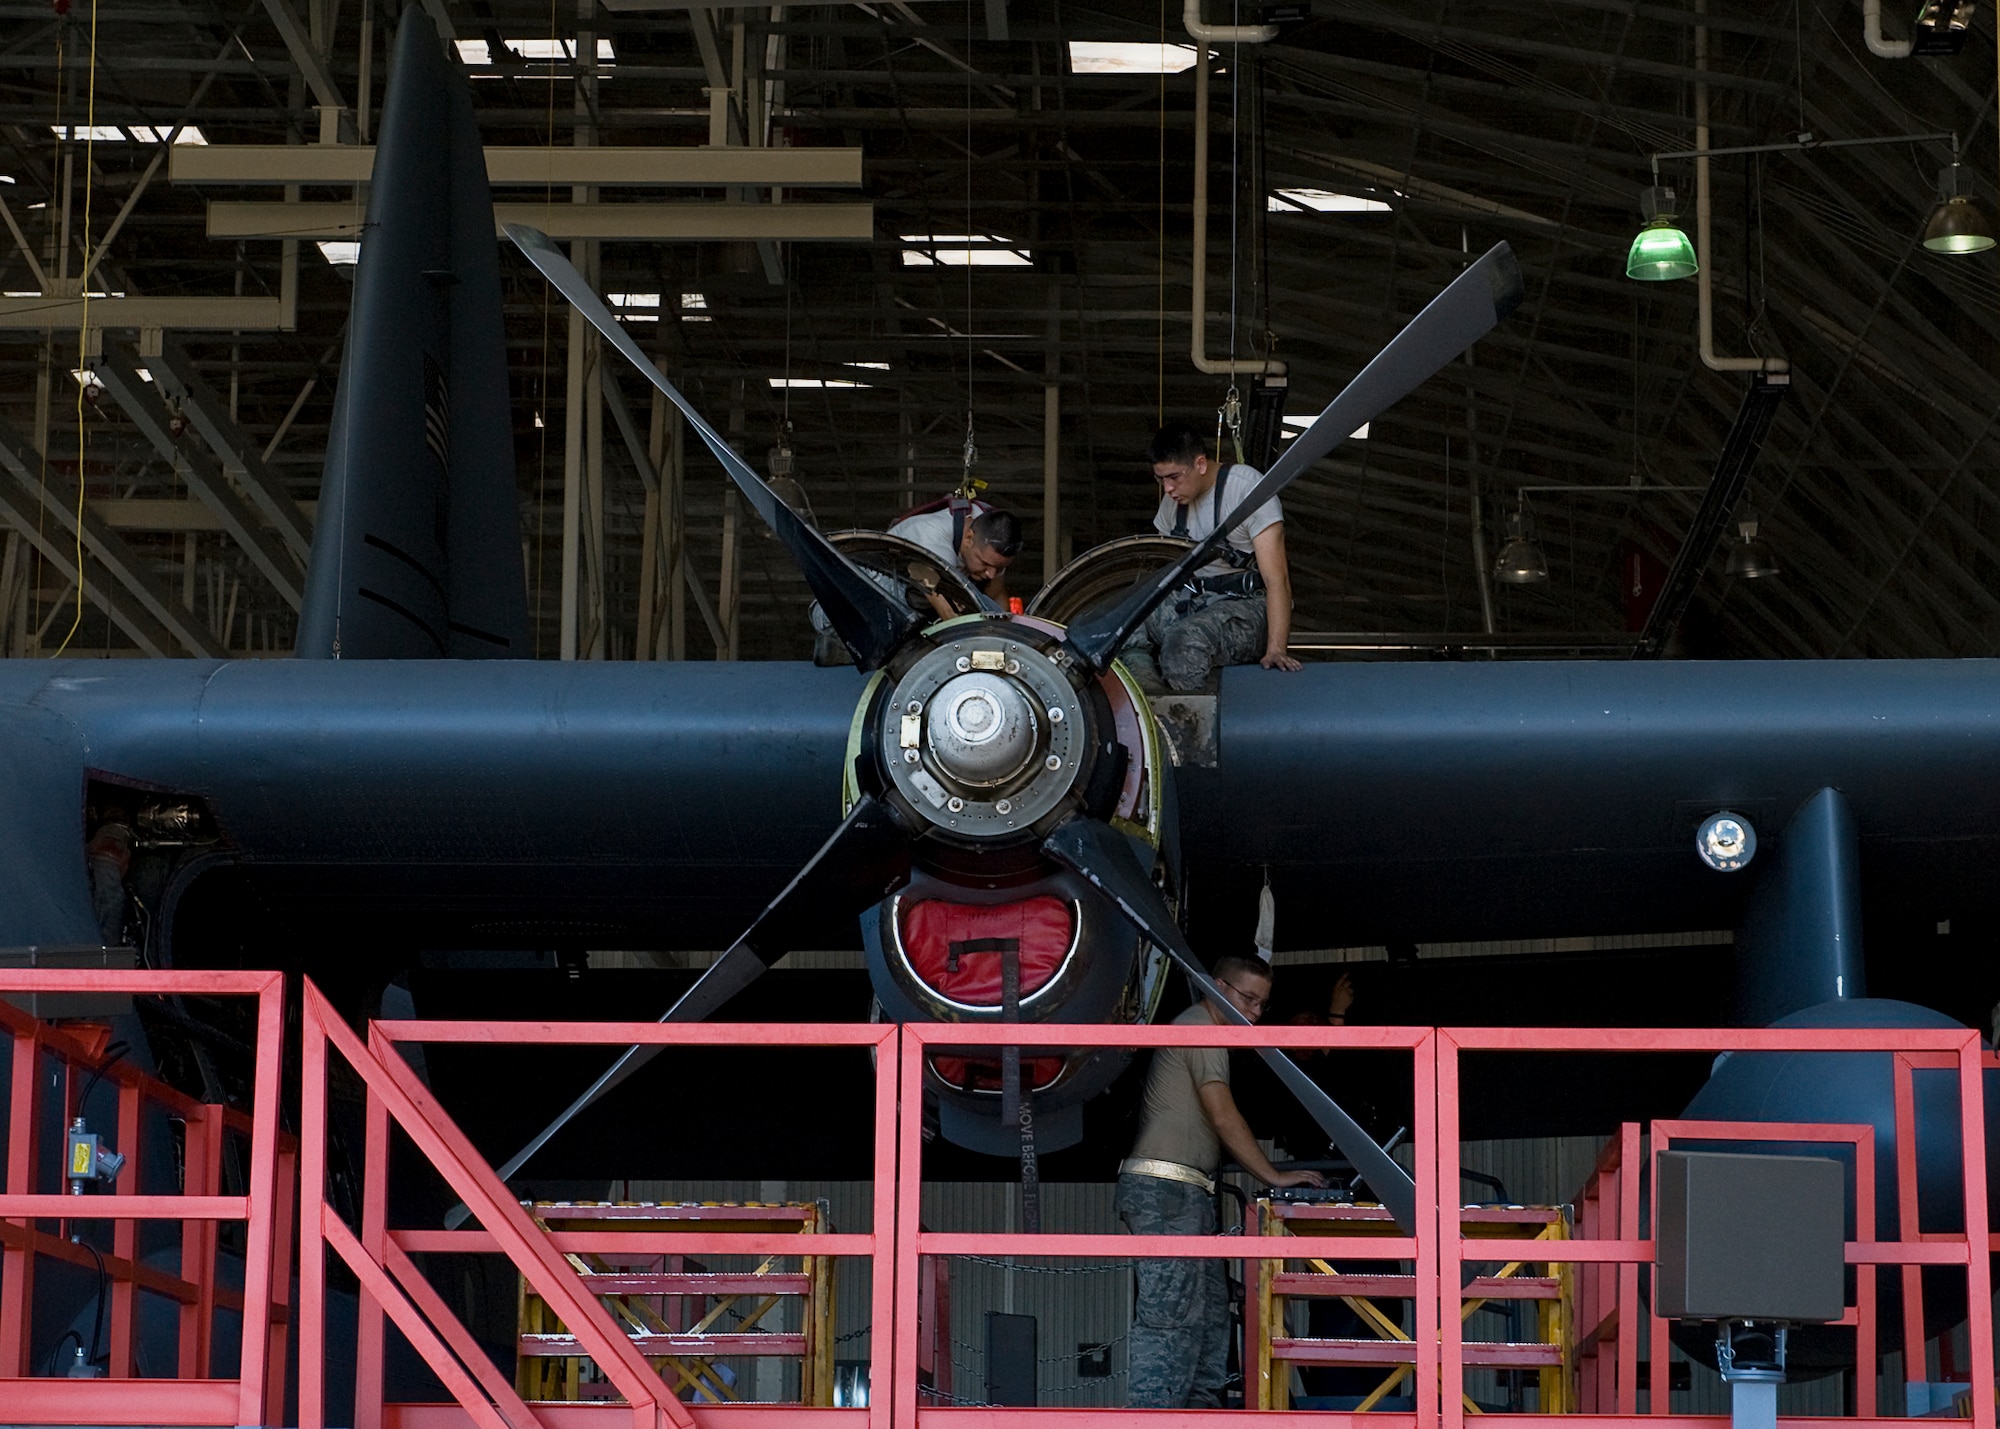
column 147, row 134
column 1128, row 57
column 561, row 48
column 872, row 366
column 962, row 250
column 1295, row 425
column 636, row 307
column 694, row 308
column 814, row 382
column 1322, row 201
column 341, row 252
column 102, row 133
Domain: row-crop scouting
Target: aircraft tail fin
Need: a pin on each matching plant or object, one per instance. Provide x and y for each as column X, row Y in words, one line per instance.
column 416, row 549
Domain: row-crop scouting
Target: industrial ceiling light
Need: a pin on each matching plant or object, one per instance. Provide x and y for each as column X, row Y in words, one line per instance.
column 1520, row 561
column 1750, row 554
column 1941, row 28
column 1957, row 225
column 1661, row 252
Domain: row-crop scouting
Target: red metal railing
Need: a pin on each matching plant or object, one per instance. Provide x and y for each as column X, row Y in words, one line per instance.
column 392, row 1284
column 914, row 1245
column 1616, row 1239
column 904, row 1259
column 193, row 1397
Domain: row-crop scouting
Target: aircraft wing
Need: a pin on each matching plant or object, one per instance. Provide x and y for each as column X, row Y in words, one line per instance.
column 1441, row 802
column 1392, row 802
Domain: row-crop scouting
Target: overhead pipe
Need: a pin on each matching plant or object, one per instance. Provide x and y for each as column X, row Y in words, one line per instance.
column 1871, row 21
column 1203, row 36
column 1224, row 34
column 1704, row 249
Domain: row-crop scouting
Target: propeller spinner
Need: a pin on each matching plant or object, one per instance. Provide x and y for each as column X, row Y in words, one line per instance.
column 993, row 734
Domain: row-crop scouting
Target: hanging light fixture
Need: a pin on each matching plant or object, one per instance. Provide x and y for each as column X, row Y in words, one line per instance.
column 1661, row 252
column 1957, row 225
column 1520, row 561
column 785, row 484
column 1750, row 554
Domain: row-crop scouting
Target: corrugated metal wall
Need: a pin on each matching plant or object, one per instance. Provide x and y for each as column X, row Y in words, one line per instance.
column 1078, row 1305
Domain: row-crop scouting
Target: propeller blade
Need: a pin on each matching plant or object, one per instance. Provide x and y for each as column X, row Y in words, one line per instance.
column 870, row 622
column 1455, row 319
column 1104, row 857
column 867, row 858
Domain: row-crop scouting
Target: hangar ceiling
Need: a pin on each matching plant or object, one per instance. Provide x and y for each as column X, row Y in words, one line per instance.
column 1463, row 122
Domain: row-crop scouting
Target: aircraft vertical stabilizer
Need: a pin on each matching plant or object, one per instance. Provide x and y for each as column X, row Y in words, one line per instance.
column 416, row 551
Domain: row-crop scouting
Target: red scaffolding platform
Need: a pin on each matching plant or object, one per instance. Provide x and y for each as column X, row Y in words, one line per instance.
column 1603, row 1258
column 33, row 1199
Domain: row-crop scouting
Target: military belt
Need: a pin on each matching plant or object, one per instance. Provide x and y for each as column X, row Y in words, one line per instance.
column 1166, row 1171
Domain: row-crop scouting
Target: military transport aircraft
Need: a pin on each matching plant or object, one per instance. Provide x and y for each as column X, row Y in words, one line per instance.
column 988, row 794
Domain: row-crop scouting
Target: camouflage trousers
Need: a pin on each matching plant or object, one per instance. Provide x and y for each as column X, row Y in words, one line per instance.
column 1180, row 647
column 1178, row 1352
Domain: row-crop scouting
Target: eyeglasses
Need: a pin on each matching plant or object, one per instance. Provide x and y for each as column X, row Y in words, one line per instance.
column 1250, row 999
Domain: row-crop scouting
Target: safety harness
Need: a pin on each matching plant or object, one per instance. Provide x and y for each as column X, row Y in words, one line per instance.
column 962, row 508
column 1244, row 580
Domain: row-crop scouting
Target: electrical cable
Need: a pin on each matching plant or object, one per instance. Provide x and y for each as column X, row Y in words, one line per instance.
column 542, row 395
column 971, row 251
column 97, row 1308
column 67, row 1335
column 112, row 1055
column 1235, row 180
column 1160, row 301
column 85, row 377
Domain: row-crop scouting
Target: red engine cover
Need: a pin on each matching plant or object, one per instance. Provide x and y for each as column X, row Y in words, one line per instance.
column 972, row 1076
column 935, row 933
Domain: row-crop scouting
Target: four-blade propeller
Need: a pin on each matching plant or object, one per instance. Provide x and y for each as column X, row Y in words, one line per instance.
column 869, row 855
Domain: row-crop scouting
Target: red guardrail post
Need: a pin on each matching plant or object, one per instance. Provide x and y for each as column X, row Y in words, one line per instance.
column 312, row 1218
column 368, row 1333
column 1978, row 1267
column 125, row 1233
column 885, row 1344
column 17, row 1284
column 902, row 1400
column 260, row 1271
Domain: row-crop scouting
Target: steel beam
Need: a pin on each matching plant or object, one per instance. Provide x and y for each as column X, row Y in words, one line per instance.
column 46, row 515
column 206, row 481
column 311, row 63
column 174, row 514
column 676, row 166
column 181, row 314
column 175, row 374
column 565, row 222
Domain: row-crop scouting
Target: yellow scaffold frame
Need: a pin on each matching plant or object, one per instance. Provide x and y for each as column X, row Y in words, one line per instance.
column 547, row 1370
column 1273, row 1287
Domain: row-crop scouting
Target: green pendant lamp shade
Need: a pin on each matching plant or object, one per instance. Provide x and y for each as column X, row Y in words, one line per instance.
column 1957, row 226
column 1661, row 252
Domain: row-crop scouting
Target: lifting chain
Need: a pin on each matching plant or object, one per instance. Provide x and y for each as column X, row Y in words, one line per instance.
column 1230, row 415
column 969, row 486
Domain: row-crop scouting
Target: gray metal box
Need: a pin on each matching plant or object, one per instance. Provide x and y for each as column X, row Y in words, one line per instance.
column 1750, row 1237
column 50, row 1006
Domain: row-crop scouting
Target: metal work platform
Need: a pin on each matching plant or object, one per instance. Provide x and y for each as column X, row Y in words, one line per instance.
column 1278, row 1293
column 581, row 1263
column 670, row 1304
